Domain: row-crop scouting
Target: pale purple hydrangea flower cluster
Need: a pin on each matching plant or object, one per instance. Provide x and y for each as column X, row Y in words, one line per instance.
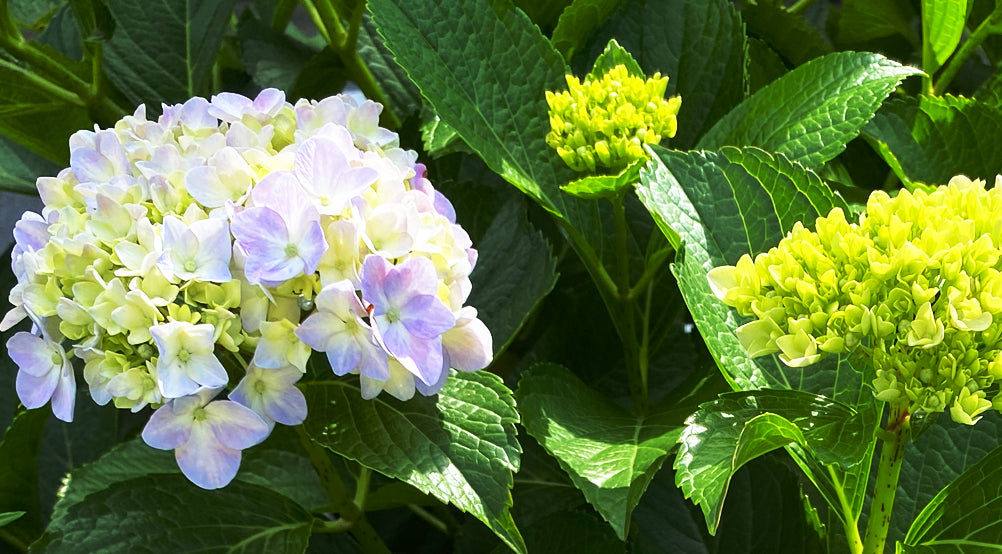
column 217, row 247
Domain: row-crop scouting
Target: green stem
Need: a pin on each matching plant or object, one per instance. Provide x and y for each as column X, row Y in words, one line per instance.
column 325, row 17
column 54, row 78
column 626, row 312
column 849, row 520
column 332, row 22
column 351, row 517
column 892, row 452
column 645, row 339
column 368, row 538
column 331, row 526
column 321, row 462
column 973, row 42
column 655, row 265
column 283, row 13
column 50, row 88
column 800, row 6
column 354, row 25
column 429, row 518
column 314, row 14
column 362, row 486
column 96, row 69
column 13, row 540
column 607, row 288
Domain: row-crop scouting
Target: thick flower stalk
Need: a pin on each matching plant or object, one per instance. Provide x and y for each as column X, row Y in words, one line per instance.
column 602, row 124
column 915, row 285
column 193, row 263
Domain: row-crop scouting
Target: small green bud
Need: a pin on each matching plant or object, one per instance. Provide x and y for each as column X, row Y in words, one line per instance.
column 605, row 122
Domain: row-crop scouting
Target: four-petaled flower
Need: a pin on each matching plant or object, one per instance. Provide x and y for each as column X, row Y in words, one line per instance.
column 407, row 315
column 186, row 361
column 339, row 328
column 272, row 394
column 281, row 234
column 206, row 436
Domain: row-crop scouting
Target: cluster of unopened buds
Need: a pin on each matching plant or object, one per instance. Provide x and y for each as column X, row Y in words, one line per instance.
column 915, row 286
column 216, row 248
column 603, row 123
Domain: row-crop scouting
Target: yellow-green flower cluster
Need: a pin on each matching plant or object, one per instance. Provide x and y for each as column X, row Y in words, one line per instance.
column 915, row 285
column 605, row 122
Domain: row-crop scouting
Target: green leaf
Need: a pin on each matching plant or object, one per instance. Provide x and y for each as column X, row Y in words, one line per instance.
column 722, row 205
column 543, row 13
column 163, row 50
column 578, row 20
column 990, row 92
column 605, row 186
column 570, row 533
column 966, row 516
column 392, row 79
column 19, row 473
column 94, row 20
column 942, row 27
column 63, row 34
column 764, row 65
column 812, row 112
column 934, row 461
column 322, row 75
column 439, row 139
column 33, row 13
column 765, row 512
column 462, row 57
column 928, row 140
column 726, row 433
column 515, row 270
column 609, row 454
column 33, row 118
column 863, row 20
column 732, row 202
column 460, row 446
column 19, row 167
column 272, row 59
column 697, row 193
column 792, row 35
column 698, row 44
column 283, row 472
column 169, row 514
column 614, row 55
column 8, row 517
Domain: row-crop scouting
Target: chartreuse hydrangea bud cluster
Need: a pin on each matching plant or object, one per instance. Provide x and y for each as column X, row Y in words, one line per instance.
column 211, row 251
column 915, row 286
column 603, row 123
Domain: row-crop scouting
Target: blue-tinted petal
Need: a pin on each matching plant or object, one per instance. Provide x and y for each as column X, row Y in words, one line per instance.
column 235, row 425
column 65, row 394
column 426, row 317
column 206, row 370
column 205, row 461
column 287, row 407
column 167, row 429
column 34, row 391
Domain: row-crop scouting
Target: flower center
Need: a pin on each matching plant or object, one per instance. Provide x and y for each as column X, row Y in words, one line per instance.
column 190, row 266
column 392, row 315
column 183, row 355
column 291, row 250
column 199, row 414
column 260, row 386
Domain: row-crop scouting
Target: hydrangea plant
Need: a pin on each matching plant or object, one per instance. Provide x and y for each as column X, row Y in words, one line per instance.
column 272, row 299
column 206, row 254
column 913, row 286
